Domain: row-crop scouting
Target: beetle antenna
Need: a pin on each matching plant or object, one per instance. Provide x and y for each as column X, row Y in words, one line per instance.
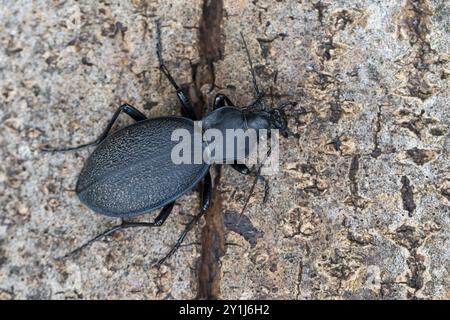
column 257, row 102
column 252, row 189
column 286, row 104
column 158, row 42
column 252, row 70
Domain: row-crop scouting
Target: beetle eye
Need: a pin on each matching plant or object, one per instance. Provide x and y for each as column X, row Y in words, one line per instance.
column 278, row 119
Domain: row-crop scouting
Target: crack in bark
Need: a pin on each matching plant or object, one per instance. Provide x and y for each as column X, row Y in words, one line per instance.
column 213, row 248
column 299, row 279
column 420, row 156
column 415, row 20
column 407, row 196
column 355, row 199
column 412, row 239
column 446, row 194
column 213, row 232
column 320, row 7
column 376, row 152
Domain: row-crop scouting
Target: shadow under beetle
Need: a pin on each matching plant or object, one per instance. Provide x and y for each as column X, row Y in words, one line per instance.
column 130, row 173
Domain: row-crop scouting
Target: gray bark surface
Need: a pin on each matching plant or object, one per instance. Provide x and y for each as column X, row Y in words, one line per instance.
column 359, row 209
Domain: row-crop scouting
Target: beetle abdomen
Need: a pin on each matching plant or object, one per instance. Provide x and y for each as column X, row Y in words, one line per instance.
column 131, row 172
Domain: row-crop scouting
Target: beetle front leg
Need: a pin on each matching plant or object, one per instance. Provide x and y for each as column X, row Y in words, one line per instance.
column 220, row 100
column 206, row 203
column 159, row 221
column 181, row 93
column 126, row 108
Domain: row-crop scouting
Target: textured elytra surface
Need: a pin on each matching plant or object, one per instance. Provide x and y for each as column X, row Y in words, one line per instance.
column 360, row 208
column 132, row 171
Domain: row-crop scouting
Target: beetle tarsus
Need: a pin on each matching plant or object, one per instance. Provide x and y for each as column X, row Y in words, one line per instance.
column 159, row 221
column 88, row 243
column 67, row 149
column 128, row 109
column 180, row 240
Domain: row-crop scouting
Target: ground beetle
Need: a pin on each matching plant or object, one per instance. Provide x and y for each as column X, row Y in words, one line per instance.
column 130, row 173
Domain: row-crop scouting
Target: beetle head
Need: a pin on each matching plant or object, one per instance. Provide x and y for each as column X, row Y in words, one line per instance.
column 278, row 118
column 272, row 119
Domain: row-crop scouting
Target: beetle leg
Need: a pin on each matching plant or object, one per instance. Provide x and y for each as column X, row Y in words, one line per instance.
column 206, row 202
column 243, row 169
column 180, row 240
column 163, row 215
column 181, row 93
column 220, row 100
column 186, row 104
column 159, row 220
column 128, row 109
column 207, row 192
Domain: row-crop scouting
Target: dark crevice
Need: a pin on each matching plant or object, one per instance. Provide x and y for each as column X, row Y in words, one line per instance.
column 352, row 176
column 327, row 47
column 320, row 7
column 407, row 196
column 213, row 233
column 114, row 29
column 415, row 18
column 336, row 111
column 417, row 268
column 213, row 248
column 412, row 239
column 376, row 152
column 336, row 142
column 437, row 132
column 446, row 194
column 419, row 156
column 242, row 226
column 412, row 125
column 299, row 279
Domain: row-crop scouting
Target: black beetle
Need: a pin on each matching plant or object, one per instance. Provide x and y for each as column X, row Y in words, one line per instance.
column 130, row 172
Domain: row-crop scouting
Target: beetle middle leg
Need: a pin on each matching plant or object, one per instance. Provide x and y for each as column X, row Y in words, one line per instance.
column 159, row 221
column 126, row 108
column 206, row 203
column 221, row 100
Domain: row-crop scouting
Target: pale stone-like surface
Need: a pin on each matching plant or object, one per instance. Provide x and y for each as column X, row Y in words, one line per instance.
column 360, row 208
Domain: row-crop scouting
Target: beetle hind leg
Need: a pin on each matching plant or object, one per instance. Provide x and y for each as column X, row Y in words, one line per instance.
column 159, row 221
column 206, row 203
column 128, row 109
